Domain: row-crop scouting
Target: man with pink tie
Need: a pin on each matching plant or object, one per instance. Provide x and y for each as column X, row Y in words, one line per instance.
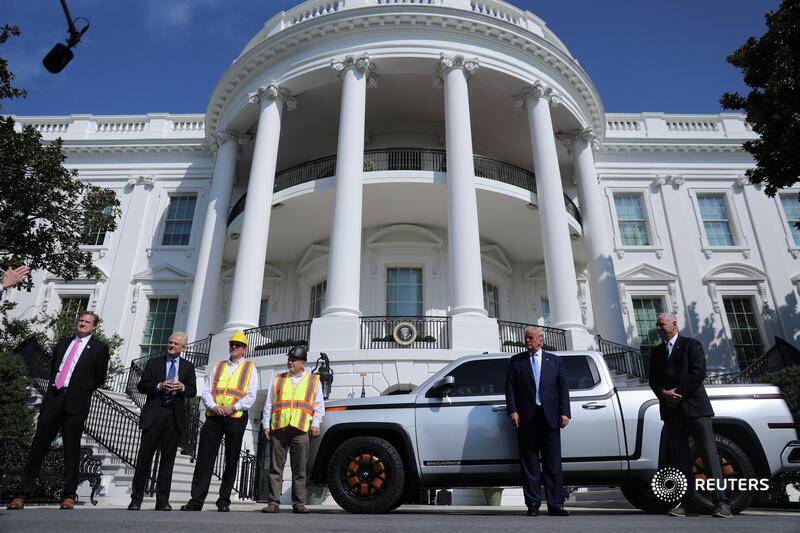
column 79, row 367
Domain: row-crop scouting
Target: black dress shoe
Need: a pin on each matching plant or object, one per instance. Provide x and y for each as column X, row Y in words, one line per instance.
column 165, row 507
column 134, row 505
column 557, row 511
column 533, row 511
column 224, row 508
column 191, row 507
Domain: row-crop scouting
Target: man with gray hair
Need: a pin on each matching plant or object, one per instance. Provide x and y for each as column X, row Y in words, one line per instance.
column 167, row 381
column 677, row 371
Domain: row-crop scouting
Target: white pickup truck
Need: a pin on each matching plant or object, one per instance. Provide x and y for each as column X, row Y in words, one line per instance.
column 452, row 431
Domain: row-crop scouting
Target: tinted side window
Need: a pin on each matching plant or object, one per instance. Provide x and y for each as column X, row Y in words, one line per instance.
column 479, row 378
column 581, row 372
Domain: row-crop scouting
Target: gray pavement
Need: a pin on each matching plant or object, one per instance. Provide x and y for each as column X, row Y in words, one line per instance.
column 247, row 517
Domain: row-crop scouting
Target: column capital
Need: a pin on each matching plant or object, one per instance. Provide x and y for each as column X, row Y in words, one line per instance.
column 361, row 63
column 221, row 136
column 536, row 90
column 273, row 91
column 449, row 62
column 586, row 135
column 663, row 179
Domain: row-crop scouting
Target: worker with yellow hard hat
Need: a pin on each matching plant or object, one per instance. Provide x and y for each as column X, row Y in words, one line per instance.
column 229, row 392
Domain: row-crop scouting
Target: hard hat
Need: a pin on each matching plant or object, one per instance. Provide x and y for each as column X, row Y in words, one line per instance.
column 238, row 337
column 298, row 352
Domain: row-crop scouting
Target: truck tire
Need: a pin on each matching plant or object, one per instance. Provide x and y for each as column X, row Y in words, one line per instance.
column 366, row 475
column 735, row 464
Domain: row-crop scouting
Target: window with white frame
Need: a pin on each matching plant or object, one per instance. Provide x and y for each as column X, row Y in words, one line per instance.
column 491, row 300
column 178, row 226
column 159, row 326
column 716, row 223
column 791, row 208
column 645, row 313
column 545, row 312
column 631, row 219
column 262, row 312
column 318, row 293
column 404, row 291
column 746, row 337
column 73, row 305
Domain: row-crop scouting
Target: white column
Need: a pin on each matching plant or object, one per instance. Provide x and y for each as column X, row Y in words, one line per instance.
column 252, row 253
column 597, row 238
column 203, row 304
column 471, row 327
column 338, row 328
column 562, row 285
column 466, row 292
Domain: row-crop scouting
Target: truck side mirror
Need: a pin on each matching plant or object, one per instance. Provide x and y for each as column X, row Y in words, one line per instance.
column 442, row 387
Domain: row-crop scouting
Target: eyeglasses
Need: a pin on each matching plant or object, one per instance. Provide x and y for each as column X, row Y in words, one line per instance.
column 295, row 359
column 237, row 345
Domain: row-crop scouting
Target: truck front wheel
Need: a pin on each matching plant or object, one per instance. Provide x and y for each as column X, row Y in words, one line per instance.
column 366, row 475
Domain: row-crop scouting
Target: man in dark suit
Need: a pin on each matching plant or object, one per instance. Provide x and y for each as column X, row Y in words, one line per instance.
column 537, row 400
column 677, row 371
column 79, row 367
column 167, row 381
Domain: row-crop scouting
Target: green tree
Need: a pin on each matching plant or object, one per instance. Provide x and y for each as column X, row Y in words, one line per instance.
column 45, row 210
column 771, row 66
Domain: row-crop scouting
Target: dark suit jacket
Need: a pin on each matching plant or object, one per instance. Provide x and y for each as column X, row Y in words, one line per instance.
column 88, row 375
column 685, row 370
column 155, row 371
column 521, row 388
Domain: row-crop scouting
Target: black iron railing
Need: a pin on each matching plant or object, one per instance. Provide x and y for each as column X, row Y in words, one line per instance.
column 134, row 376
column 512, row 336
column 276, row 339
column 432, row 332
column 781, row 355
column 197, row 352
column 623, row 358
column 388, row 159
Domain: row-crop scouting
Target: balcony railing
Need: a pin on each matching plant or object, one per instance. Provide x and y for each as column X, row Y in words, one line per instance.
column 390, row 159
column 623, row 358
column 197, row 352
column 512, row 336
column 276, row 339
column 433, row 332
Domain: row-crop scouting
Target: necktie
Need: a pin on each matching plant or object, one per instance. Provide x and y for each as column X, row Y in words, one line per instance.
column 169, row 395
column 669, row 349
column 537, row 371
column 62, row 376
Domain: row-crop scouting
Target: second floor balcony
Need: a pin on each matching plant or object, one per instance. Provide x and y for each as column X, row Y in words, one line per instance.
column 405, row 159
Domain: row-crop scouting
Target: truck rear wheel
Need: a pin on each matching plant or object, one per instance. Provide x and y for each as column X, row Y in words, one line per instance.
column 735, row 464
column 366, row 475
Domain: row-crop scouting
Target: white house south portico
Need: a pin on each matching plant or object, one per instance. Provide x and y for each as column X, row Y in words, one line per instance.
column 445, row 164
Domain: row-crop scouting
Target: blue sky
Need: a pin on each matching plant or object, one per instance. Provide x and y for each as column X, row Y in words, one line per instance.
column 154, row 56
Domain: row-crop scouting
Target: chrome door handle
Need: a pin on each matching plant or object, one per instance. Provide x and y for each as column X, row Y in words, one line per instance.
column 499, row 409
column 593, row 405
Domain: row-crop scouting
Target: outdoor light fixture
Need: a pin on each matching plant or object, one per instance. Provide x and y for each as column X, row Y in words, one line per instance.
column 60, row 55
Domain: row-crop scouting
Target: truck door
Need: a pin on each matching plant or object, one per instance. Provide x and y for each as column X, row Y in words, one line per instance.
column 466, row 436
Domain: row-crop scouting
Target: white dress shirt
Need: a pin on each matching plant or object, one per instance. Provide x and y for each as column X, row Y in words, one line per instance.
column 71, row 369
column 177, row 371
column 319, row 402
column 671, row 345
column 252, row 387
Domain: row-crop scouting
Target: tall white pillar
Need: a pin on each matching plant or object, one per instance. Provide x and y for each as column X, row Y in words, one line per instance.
column 597, row 237
column 251, row 257
column 471, row 327
column 209, row 258
column 562, row 285
column 338, row 328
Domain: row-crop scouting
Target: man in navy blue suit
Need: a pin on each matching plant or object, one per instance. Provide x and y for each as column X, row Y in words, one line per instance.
column 537, row 399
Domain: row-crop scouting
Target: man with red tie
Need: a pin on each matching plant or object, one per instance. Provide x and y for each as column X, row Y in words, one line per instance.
column 78, row 368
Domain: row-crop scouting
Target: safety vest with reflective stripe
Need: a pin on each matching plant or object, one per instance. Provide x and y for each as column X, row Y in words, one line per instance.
column 293, row 406
column 228, row 388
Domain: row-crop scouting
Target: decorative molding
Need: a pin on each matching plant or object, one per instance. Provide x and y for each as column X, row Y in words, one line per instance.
column 449, row 62
column 137, row 290
column 536, row 90
column 222, row 136
column 361, row 63
column 148, row 181
column 273, row 92
column 586, row 135
column 714, row 295
column 741, row 181
column 583, row 296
